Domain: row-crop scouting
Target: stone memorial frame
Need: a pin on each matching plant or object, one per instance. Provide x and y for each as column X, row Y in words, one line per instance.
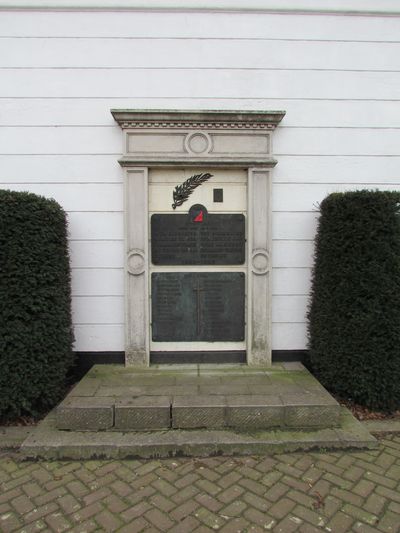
column 225, row 139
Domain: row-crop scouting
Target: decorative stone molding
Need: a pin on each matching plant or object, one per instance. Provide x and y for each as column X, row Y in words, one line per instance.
column 208, row 139
column 136, row 262
column 260, row 261
column 134, row 118
column 182, row 138
column 197, row 125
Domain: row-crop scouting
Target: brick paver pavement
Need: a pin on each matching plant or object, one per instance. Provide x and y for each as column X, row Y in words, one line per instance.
column 338, row 492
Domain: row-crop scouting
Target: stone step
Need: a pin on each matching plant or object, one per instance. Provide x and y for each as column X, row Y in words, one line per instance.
column 49, row 443
column 292, row 410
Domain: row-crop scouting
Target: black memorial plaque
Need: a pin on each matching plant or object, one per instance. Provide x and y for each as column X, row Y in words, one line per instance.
column 194, row 306
column 216, row 240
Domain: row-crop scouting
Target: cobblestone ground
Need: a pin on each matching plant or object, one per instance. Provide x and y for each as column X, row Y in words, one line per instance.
column 307, row 492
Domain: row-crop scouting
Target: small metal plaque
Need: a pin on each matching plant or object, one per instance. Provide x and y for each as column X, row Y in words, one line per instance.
column 194, row 306
column 216, row 239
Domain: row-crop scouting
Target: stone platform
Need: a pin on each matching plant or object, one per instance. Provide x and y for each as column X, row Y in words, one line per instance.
column 194, row 410
column 197, row 396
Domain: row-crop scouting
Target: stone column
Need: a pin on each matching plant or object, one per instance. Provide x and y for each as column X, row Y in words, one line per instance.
column 136, row 268
column 259, row 259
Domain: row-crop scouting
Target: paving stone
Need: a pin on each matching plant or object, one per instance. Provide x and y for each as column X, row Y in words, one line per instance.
column 198, row 411
column 57, row 522
column 360, row 514
column 233, row 509
column 230, row 494
column 281, row 508
column 108, row 521
column 253, row 493
column 340, row 523
column 187, row 524
column 364, row 487
column 145, row 412
column 158, row 519
column 85, row 413
column 288, row 524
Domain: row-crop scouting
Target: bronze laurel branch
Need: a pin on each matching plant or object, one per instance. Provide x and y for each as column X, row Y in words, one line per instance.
column 182, row 192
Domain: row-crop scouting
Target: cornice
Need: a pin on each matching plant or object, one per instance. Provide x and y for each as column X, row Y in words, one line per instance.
column 208, row 119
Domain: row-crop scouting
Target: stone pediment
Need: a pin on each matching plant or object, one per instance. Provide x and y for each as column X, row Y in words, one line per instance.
column 180, row 138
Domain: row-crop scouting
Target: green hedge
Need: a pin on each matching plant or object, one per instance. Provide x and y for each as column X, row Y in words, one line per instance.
column 35, row 304
column 354, row 313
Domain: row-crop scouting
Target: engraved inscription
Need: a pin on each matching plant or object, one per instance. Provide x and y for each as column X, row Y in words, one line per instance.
column 194, row 306
column 219, row 240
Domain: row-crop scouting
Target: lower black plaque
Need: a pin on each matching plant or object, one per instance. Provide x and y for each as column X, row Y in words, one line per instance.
column 194, row 306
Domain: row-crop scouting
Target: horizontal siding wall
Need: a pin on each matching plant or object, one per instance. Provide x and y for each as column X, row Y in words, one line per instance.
column 337, row 77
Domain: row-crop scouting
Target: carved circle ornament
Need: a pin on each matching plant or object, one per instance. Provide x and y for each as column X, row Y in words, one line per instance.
column 136, row 262
column 198, row 142
column 260, row 261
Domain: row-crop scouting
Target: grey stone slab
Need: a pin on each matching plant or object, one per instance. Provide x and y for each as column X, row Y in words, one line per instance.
column 86, row 387
column 173, row 390
column 307, row 398
column 11, row 437
column 293, row 365
column 144, row 413
column 47, row 442
column 254, row 411
column 113, row 391
column 224, row 389
column 153, row 380
column 198, row 411
column 85, row 413
column 274, row 389
column 310, row 410
column 246, row 380
column 390, row 425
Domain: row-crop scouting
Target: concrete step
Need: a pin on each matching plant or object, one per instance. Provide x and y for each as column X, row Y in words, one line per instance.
column 116, row 398
column 49, row 443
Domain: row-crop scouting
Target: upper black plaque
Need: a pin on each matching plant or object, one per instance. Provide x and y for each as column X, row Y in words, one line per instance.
column 213, row 240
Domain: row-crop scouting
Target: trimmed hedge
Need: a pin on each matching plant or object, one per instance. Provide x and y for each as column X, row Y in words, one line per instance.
column 354, row 313
column 35, row 304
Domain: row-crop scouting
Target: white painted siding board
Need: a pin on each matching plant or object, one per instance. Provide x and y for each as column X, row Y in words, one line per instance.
column 200, row 25
column 288, row 281
column 78, row 196
column 181, row 82
column 337, row 169
column 97, row 282
column 195, row 53
column 99, row 338
column 61, row 140
column 334, row 136
column 101, row 140
column 332, row 141
column 293, row 226
column 289, row 254
column 65, row 111
column 289, row 336
column 287, row 309
column 294, row 169
column 99, row 225
column 59, row 168
column 98, row 310
column 306, row 197
column 97, row 254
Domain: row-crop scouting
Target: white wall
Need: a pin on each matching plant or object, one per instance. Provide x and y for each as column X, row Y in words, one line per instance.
column 336, row 75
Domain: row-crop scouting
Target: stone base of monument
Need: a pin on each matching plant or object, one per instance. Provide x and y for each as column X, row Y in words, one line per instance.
column 194, row 410
column 197, row 396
